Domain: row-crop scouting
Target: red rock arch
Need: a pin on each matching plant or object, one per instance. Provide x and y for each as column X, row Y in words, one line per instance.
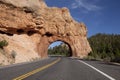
column 76, row 43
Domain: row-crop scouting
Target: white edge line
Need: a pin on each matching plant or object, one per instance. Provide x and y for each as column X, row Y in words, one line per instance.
column 111, row 78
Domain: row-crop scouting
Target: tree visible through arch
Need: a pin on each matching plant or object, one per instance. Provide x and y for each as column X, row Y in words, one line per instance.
column 59, row 48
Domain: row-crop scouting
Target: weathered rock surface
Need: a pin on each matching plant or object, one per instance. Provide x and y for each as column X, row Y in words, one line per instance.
column 30, row 26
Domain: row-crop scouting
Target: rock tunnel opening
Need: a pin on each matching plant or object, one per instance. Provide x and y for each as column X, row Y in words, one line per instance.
column 59, row 48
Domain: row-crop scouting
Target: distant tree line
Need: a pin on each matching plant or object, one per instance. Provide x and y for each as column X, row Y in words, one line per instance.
column 59, row 50
column 105, row 47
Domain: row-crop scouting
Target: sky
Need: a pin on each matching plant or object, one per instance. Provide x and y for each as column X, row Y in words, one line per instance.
column 99, row 16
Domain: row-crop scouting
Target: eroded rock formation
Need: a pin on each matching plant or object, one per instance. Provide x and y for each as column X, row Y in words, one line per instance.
column 30, row 26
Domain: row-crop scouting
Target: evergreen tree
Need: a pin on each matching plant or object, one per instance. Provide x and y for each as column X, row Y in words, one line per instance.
column 59, row 50
column 105, row 46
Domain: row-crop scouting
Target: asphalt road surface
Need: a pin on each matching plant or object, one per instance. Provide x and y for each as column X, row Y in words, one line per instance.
column 61, row 68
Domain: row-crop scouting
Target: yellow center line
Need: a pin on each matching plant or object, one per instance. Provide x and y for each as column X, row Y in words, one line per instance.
column 36, row 70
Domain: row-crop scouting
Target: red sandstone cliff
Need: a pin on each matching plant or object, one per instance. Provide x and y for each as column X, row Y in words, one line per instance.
column 30, row 26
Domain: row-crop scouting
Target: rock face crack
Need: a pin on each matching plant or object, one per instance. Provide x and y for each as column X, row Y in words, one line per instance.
column 30, row 26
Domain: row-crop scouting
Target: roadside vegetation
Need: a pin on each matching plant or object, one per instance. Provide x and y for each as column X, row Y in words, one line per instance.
column 105, row 47
column 7, row 58
column 3, row 43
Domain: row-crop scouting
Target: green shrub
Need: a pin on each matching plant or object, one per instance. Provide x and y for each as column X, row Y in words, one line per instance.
column 3, row 43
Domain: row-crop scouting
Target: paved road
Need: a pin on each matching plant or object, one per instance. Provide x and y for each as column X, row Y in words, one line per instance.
column 61, row 69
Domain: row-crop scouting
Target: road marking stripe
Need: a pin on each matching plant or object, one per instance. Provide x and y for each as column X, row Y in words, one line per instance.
column 36, row 70
column 111, row 78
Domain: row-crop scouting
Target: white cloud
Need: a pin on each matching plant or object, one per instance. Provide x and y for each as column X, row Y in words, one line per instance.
column 89, row 6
